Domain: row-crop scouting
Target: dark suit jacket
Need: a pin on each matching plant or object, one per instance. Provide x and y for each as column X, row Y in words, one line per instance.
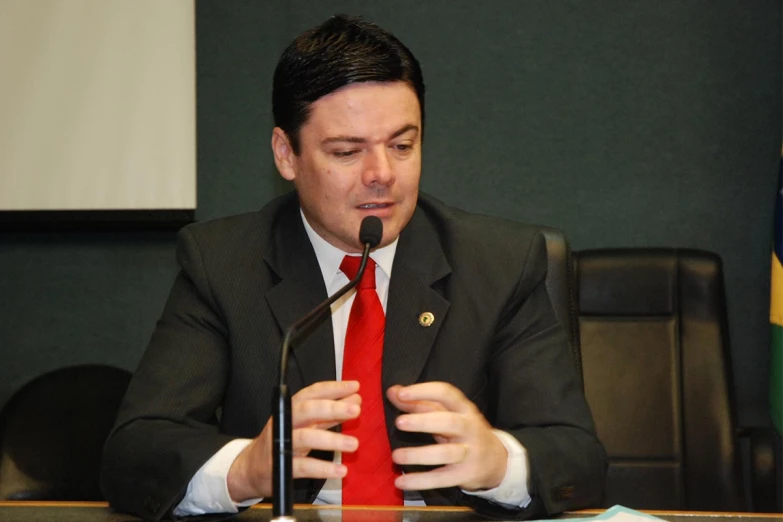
column 208, row 372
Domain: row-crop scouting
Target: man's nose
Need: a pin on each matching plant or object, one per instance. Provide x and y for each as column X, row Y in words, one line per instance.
column 378, row 168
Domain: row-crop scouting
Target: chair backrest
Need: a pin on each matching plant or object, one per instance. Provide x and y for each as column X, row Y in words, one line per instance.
column 656, row 363
column 52, row 432
column 560, row 287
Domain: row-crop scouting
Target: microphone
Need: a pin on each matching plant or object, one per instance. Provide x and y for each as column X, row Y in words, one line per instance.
column 370, row 234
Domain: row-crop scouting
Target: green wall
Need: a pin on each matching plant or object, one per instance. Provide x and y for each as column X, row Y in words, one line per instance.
column 625, row 123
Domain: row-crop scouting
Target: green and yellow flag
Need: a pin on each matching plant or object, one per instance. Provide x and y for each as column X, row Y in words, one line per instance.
column 776, row 314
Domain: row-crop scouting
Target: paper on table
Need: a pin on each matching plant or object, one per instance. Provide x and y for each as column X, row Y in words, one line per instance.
column 618, row 514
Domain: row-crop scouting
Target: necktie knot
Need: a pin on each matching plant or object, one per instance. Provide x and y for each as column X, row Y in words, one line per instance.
column 350, row 267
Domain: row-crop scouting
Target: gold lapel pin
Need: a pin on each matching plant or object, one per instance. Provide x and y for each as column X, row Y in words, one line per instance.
column 426, row 319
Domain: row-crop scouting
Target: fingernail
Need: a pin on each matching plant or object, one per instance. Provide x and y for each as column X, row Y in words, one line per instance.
column 342, row 470
column 353, row 409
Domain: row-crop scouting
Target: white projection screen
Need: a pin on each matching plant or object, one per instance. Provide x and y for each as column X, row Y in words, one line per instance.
column 97, row 105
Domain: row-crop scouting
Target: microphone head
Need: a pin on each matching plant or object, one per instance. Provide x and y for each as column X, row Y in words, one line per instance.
column 371, row 231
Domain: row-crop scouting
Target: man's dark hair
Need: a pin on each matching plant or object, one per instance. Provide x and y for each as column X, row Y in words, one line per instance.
column 340, row 51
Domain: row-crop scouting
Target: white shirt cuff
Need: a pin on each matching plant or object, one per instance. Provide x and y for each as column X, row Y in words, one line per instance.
column 208, row 489
column 512, row 492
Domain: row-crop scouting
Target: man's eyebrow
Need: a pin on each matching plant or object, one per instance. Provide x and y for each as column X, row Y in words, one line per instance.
column 343, row 139
column 357, row 139
column 403, row 130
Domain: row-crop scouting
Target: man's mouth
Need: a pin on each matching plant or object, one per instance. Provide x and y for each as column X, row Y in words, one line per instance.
column 370, row 206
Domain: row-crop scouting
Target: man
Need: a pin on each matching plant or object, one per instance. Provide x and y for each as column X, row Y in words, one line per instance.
column 478, row 398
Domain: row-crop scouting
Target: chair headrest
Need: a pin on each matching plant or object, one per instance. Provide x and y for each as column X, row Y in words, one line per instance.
column 645, row 282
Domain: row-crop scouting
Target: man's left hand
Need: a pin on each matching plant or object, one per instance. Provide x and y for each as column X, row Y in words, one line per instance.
column 470, row 456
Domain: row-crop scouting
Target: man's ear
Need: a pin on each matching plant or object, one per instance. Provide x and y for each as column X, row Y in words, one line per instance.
column 285, row 159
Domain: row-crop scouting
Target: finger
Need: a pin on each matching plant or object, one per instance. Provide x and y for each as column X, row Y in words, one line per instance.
column 443, row 477
column 432, row 455
column 306, row 439
column 351, row 399
column 442, row 393
column 309, row 467
column 323, row 412
column 326, row 390
column 411, row 406
column 354, row 398
column 443, row 423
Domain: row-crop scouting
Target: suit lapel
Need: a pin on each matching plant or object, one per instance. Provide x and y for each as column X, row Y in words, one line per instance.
column 300, row 289
column 418, row 264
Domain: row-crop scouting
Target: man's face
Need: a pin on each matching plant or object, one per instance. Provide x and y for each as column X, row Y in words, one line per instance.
column 360, row 155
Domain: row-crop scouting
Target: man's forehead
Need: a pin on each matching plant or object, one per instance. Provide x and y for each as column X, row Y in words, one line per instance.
column 361, row 107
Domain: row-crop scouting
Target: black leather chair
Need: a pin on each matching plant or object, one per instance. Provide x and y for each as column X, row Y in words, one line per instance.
column 52, row 432
column 657, row 376
column 560, row 287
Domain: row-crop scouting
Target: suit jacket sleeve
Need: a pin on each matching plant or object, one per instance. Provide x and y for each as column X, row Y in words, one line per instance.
column 538, row 399
column 166, row 427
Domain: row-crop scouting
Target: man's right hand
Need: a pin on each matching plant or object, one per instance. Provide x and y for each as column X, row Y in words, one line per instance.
column 315, row 409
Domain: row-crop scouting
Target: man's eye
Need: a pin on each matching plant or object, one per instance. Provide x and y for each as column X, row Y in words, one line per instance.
column 344, row 153
column 403, row 147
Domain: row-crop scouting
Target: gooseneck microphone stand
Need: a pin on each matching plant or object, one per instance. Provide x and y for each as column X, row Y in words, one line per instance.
column 370, row 234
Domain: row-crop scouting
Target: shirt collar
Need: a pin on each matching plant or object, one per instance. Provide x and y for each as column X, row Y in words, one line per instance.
column 330, row 257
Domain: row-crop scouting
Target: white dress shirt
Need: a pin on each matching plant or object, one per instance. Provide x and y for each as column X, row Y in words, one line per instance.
column 208, row 489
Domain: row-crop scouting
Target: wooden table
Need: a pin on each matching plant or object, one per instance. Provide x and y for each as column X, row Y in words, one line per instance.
column 100, row 512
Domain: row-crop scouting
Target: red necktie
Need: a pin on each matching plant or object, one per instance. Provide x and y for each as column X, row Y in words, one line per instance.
column 371, row 472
